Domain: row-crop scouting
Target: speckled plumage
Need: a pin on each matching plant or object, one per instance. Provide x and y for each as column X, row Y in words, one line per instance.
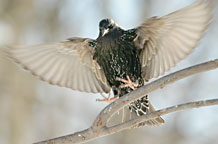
column 118, row 57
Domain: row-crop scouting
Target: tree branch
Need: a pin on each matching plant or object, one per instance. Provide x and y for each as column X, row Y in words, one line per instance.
column 99, row 127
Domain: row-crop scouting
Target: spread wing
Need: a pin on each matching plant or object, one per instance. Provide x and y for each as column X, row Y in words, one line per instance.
column 66, row 64
column 167, row 40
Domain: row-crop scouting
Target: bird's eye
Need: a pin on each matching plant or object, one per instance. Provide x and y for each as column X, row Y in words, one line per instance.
column 110, row 26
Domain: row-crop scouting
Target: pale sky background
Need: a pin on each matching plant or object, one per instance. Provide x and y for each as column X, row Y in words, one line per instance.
column 31, row 110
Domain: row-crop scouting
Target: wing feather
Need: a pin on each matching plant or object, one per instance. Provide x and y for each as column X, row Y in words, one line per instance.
column 66, row 64
column 167, row 40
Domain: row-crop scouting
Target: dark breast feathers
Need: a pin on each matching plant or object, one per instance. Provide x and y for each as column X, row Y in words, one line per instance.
column 119, row 58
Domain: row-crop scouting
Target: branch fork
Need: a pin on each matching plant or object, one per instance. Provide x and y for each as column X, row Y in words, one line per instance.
column 99, row 127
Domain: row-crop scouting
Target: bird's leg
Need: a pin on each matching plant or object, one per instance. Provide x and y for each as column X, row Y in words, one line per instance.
column 128, row 83
column 107, row 99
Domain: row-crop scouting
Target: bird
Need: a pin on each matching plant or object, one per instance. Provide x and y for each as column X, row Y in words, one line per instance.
column 119, row 60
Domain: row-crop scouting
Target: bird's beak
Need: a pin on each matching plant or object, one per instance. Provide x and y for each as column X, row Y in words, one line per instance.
column 103, row 32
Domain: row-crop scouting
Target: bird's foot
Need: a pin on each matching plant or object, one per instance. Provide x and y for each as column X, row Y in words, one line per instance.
column 107, row 99
column 128, row 83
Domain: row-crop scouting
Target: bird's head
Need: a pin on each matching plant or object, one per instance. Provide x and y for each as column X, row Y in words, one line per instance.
column 105, row 26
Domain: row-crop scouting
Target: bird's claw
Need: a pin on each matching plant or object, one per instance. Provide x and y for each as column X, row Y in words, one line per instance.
column 128, row 83
column 107, row 99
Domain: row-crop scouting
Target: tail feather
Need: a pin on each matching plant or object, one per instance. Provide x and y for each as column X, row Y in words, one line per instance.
column 138, row 108
column 154, row 122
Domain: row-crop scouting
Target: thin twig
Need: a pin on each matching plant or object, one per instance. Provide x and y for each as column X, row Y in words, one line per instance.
column 99, row 127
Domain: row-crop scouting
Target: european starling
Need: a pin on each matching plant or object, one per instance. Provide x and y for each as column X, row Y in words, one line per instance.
column 121, row 60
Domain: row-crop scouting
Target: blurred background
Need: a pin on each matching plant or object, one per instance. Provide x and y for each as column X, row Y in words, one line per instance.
column 32, row 110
